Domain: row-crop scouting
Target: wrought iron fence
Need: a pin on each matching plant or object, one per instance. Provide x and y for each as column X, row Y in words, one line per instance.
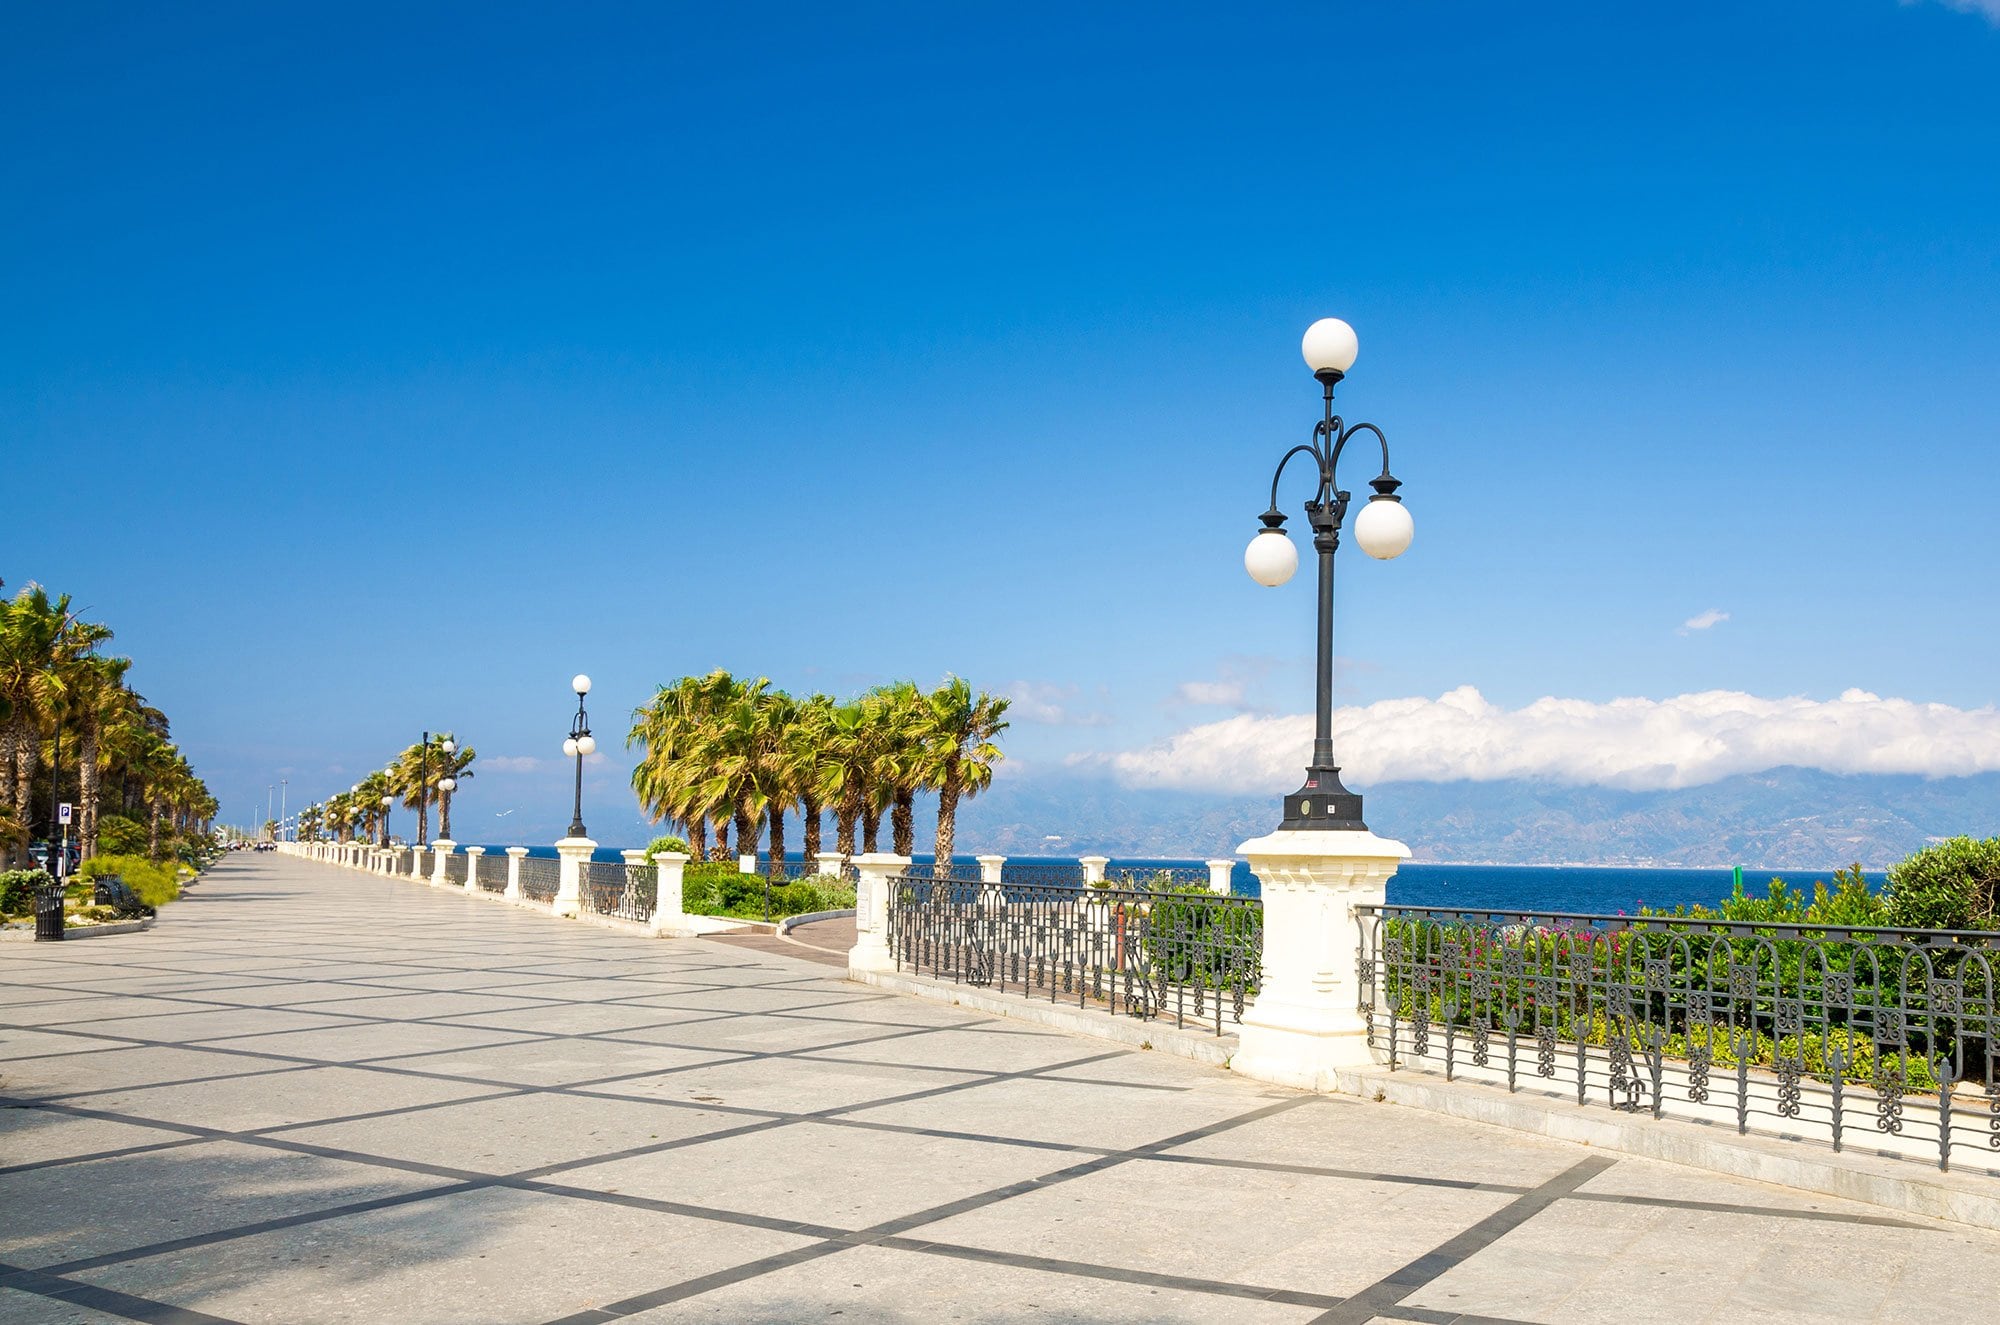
column 541, row 878
column 1067, row 875
column 1157, row 878
column 628, row 892
column 1818, row 1030
column 489, row 872
column 1192, row 956
column 454, row 868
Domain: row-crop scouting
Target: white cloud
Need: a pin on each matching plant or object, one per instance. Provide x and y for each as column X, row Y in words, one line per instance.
column 1707, row 619
column 1048, row 704
column 1637, row 744
column 1227, row 694
column 1990, row 8
column 509, row 764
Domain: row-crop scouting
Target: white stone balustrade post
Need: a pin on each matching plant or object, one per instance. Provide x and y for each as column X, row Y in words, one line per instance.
column 472, row 855
column 1219, row 876
column 442, row 848
column 572, row 852
column 417, row 863
column 515, row 855
column 1093, row 868
column 828, row 863
column 667, row 899
column 1305, row 1022
column 871, row 911
column 990, row 867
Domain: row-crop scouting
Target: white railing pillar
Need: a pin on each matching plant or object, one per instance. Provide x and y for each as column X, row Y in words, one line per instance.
column 440, row 849
column 1093, row 868
column 472, row 855
column 515, row 855
column 572, row 852
column 827, row 862
column 990, row 867
column 1305, row 1022
column 1219, row 876
column 871, row 911
column 667, row 899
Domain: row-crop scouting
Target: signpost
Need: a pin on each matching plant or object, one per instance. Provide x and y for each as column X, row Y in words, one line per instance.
column 62, row 852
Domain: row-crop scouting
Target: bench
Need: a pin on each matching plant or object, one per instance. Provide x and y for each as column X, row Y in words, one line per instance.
column 110, row 890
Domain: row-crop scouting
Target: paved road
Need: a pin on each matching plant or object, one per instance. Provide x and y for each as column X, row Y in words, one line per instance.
column 312, row 1096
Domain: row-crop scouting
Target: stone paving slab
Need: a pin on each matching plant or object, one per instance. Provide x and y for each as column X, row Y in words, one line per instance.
column 311, row 1095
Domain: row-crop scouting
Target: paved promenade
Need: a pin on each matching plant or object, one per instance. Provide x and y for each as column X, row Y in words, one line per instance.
column 314, row 1096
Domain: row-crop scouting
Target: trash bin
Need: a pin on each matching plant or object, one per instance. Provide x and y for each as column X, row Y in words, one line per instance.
column 49, row 912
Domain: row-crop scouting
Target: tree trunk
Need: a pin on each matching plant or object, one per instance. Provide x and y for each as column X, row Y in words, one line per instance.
column 444, row 815
column 947, row 818
column 776, row 871
column 720, row 818
column 697, row 837
column 89, row 789
column 153, row 833
column 871, row 827
column 424, row 823
column 844, row 816
column 809, row 810
column 746, row 830
column 903, row 821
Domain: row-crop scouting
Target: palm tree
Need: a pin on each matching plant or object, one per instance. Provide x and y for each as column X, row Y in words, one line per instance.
column 960, row 753
column 109, row 715
column 805, row 747
column 32, row 629
column 902, row 709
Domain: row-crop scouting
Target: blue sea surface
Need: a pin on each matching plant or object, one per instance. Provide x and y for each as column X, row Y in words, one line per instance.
column 1588, row 889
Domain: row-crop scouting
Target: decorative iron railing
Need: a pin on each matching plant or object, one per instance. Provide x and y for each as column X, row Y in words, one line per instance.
column 541, row 878
column 454, row 868
column 1814, row 1030
column 1157, row 878
column 1191, row 956
column 1066, row 875
column 489, row 872
column 628, row 892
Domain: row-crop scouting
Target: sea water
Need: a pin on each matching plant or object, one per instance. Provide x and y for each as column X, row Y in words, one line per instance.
column 1592, row 889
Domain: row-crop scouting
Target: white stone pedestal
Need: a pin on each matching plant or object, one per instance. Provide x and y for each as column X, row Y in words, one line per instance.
column 572, row 851
column 1305, row 1021
column 515, row 855
column 871, row 911
column 668, row 917
column 828, row 863
column 472, row 855
column 444, row 846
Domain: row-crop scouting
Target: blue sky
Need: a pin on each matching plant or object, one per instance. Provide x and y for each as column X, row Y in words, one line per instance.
column 397, row 362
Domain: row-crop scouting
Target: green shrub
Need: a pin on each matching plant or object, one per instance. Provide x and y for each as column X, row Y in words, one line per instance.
column 17, row 890
column 155, row 885
column 665, row 842
column 118, row 835
column 1952, row 885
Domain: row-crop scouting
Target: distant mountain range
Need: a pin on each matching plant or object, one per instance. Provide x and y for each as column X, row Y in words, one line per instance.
column 1791, row 818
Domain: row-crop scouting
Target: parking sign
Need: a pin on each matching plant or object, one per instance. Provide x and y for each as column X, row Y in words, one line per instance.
column 62, row 813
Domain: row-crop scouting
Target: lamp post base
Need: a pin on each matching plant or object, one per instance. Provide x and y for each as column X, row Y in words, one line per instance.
column 1323, row 804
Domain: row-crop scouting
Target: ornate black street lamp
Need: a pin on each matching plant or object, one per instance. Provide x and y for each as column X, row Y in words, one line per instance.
column 579, row 743
column 1382, row 528
column 447, row 746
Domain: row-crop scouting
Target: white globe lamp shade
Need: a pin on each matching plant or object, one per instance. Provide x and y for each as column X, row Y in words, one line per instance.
column 569, row 747
column 1384, row 529
column 354, row 790
column 387, row 801
column 580, row 683
column 586, row 745
column 450, row 746
column 1271, row 558
column 447, row 784
column 1330, row 345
